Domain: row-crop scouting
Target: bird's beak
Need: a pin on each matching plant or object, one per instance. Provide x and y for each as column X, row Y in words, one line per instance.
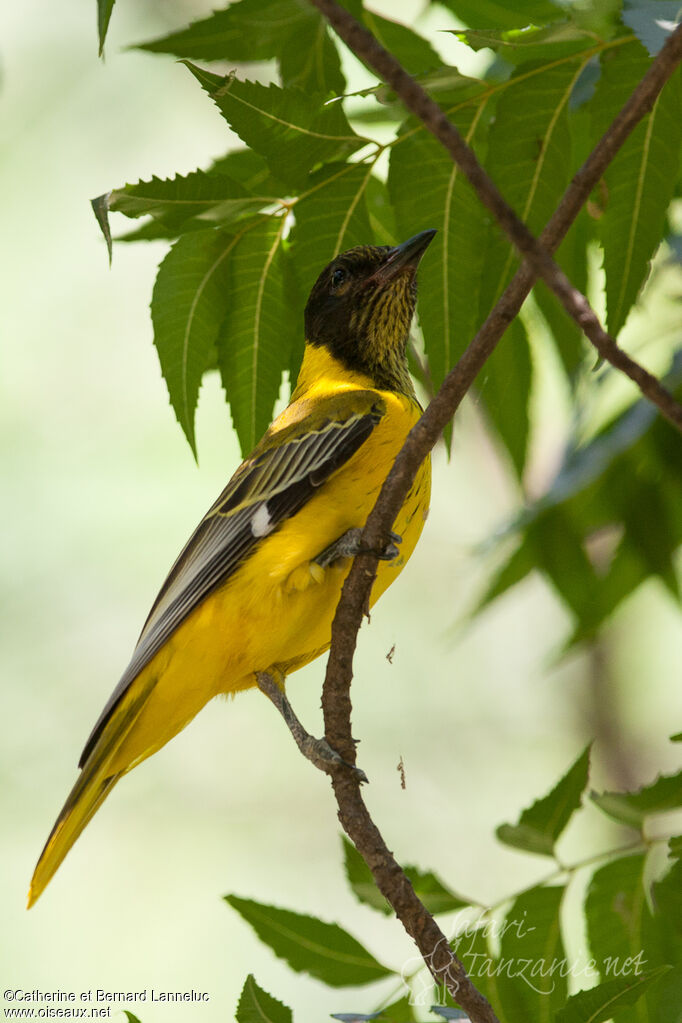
column 404, row 257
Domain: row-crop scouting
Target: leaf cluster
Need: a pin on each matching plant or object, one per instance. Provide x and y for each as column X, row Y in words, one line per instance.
column 515, row 952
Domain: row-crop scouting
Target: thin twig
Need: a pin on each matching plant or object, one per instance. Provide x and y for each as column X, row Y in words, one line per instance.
column 353, row 813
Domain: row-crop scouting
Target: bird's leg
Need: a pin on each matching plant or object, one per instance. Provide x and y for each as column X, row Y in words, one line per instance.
column 317, row 751
column 350, row 543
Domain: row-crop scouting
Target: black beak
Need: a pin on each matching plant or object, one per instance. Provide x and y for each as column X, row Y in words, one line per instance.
column 405, row 256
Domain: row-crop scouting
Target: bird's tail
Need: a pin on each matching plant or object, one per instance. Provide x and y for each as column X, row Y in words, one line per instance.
column 83, row 801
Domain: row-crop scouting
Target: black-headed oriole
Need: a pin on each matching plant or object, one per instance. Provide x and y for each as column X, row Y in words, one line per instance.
column 253, row 591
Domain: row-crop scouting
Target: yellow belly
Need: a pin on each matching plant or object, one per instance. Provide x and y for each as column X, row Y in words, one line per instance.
column 273, row 613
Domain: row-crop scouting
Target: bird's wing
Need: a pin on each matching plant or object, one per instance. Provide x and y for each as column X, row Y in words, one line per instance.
column 281, row 476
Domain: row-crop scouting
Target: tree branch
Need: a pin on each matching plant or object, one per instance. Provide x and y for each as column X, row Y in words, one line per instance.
column 353, row 814
column 417, row 101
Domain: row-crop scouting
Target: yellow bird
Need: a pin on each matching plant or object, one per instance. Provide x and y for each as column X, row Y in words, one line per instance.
column 256, row 586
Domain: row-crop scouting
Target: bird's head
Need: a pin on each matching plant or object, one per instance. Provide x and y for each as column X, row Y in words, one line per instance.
column 361, row 307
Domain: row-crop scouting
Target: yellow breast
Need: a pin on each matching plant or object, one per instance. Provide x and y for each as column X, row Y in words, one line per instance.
column 276, row 610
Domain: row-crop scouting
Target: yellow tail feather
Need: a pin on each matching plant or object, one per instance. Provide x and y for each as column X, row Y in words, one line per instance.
column 84, row 800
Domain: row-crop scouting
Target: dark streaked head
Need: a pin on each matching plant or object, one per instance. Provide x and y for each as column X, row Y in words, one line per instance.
column 361, row 307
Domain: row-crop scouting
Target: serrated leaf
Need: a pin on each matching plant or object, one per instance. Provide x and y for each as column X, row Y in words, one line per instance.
column 309, row 945
column 447, row 293
column 534, row 984
column 541, row 824
column 532, row 42
column 293, row 130
column 188, row 307
column 104, row 9
column 255, row 338
column 652, row 21
column 246, row 31
column 529, row 159
column 632, row 808
column 601, row 1002
column 498, row 14
column 257, row 1006
column 640, row 181
column 435, row 896
column 207, row 199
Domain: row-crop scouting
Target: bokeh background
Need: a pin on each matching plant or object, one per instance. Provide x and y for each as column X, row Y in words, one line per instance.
column 99, row 492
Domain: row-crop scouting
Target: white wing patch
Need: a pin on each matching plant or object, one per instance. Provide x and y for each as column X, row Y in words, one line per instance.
column 261, row 523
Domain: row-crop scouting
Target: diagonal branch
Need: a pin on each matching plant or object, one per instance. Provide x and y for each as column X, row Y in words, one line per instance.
column 353, row 813
column 418, row 102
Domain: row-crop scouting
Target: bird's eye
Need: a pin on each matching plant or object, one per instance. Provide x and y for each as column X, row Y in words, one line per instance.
column 338, row 276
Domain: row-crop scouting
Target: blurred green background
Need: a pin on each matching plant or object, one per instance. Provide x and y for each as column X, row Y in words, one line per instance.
column 99, row 492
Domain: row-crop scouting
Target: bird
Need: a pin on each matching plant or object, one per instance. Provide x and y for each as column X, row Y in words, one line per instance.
column 256, row 586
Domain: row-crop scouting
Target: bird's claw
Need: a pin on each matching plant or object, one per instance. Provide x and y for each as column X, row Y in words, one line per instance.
column 350, row 544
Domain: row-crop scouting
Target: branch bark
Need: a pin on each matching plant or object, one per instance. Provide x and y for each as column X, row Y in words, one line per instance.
column 353, row 814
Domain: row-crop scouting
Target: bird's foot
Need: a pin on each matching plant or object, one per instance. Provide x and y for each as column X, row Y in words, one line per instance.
column 317, row 751
column 349, row 544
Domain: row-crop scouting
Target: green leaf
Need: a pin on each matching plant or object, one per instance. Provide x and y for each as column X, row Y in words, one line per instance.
column 309, row 59
column 323, row 950
column 677, row 737
column 652, row 21
column 104, row 9
column 667, row 896
column 413, row 51
column 188, row 306
column 330, row 216
column 291, row 129
column 532, row 42
column 255, row 339
column 572, row 257
column 449, row 283
column 251, row 30
column 541, row 824
column 257, row 1006
column 601, row 1002
column 529, row 160
column 400, row 1011
column 505, row 388
column 632, row 808
column 641, row 179
column 436, row 896
column 534, row 985
column 205, row 199
column 483, row 967
column 625, row 938
column 498, row 14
